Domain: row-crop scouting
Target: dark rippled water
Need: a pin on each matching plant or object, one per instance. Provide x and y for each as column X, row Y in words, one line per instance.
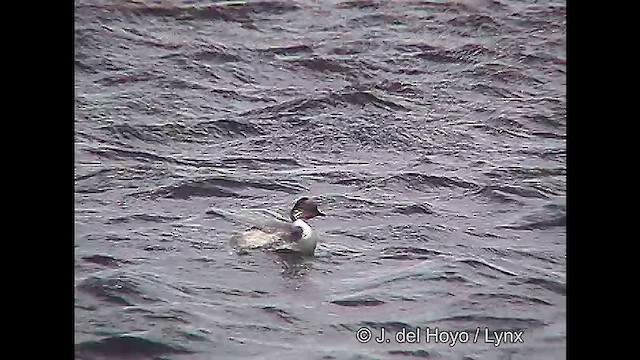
column 433, row 134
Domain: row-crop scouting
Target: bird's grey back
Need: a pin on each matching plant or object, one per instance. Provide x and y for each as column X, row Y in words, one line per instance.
column 286, row 230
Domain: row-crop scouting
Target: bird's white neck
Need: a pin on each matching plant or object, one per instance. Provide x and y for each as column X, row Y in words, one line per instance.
column 307, row 244
column 306, row 229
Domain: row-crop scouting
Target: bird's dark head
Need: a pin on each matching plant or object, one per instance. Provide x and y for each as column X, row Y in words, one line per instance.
column 305, row 209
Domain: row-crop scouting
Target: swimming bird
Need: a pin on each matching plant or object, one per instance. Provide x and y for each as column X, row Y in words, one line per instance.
column 296, row 235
